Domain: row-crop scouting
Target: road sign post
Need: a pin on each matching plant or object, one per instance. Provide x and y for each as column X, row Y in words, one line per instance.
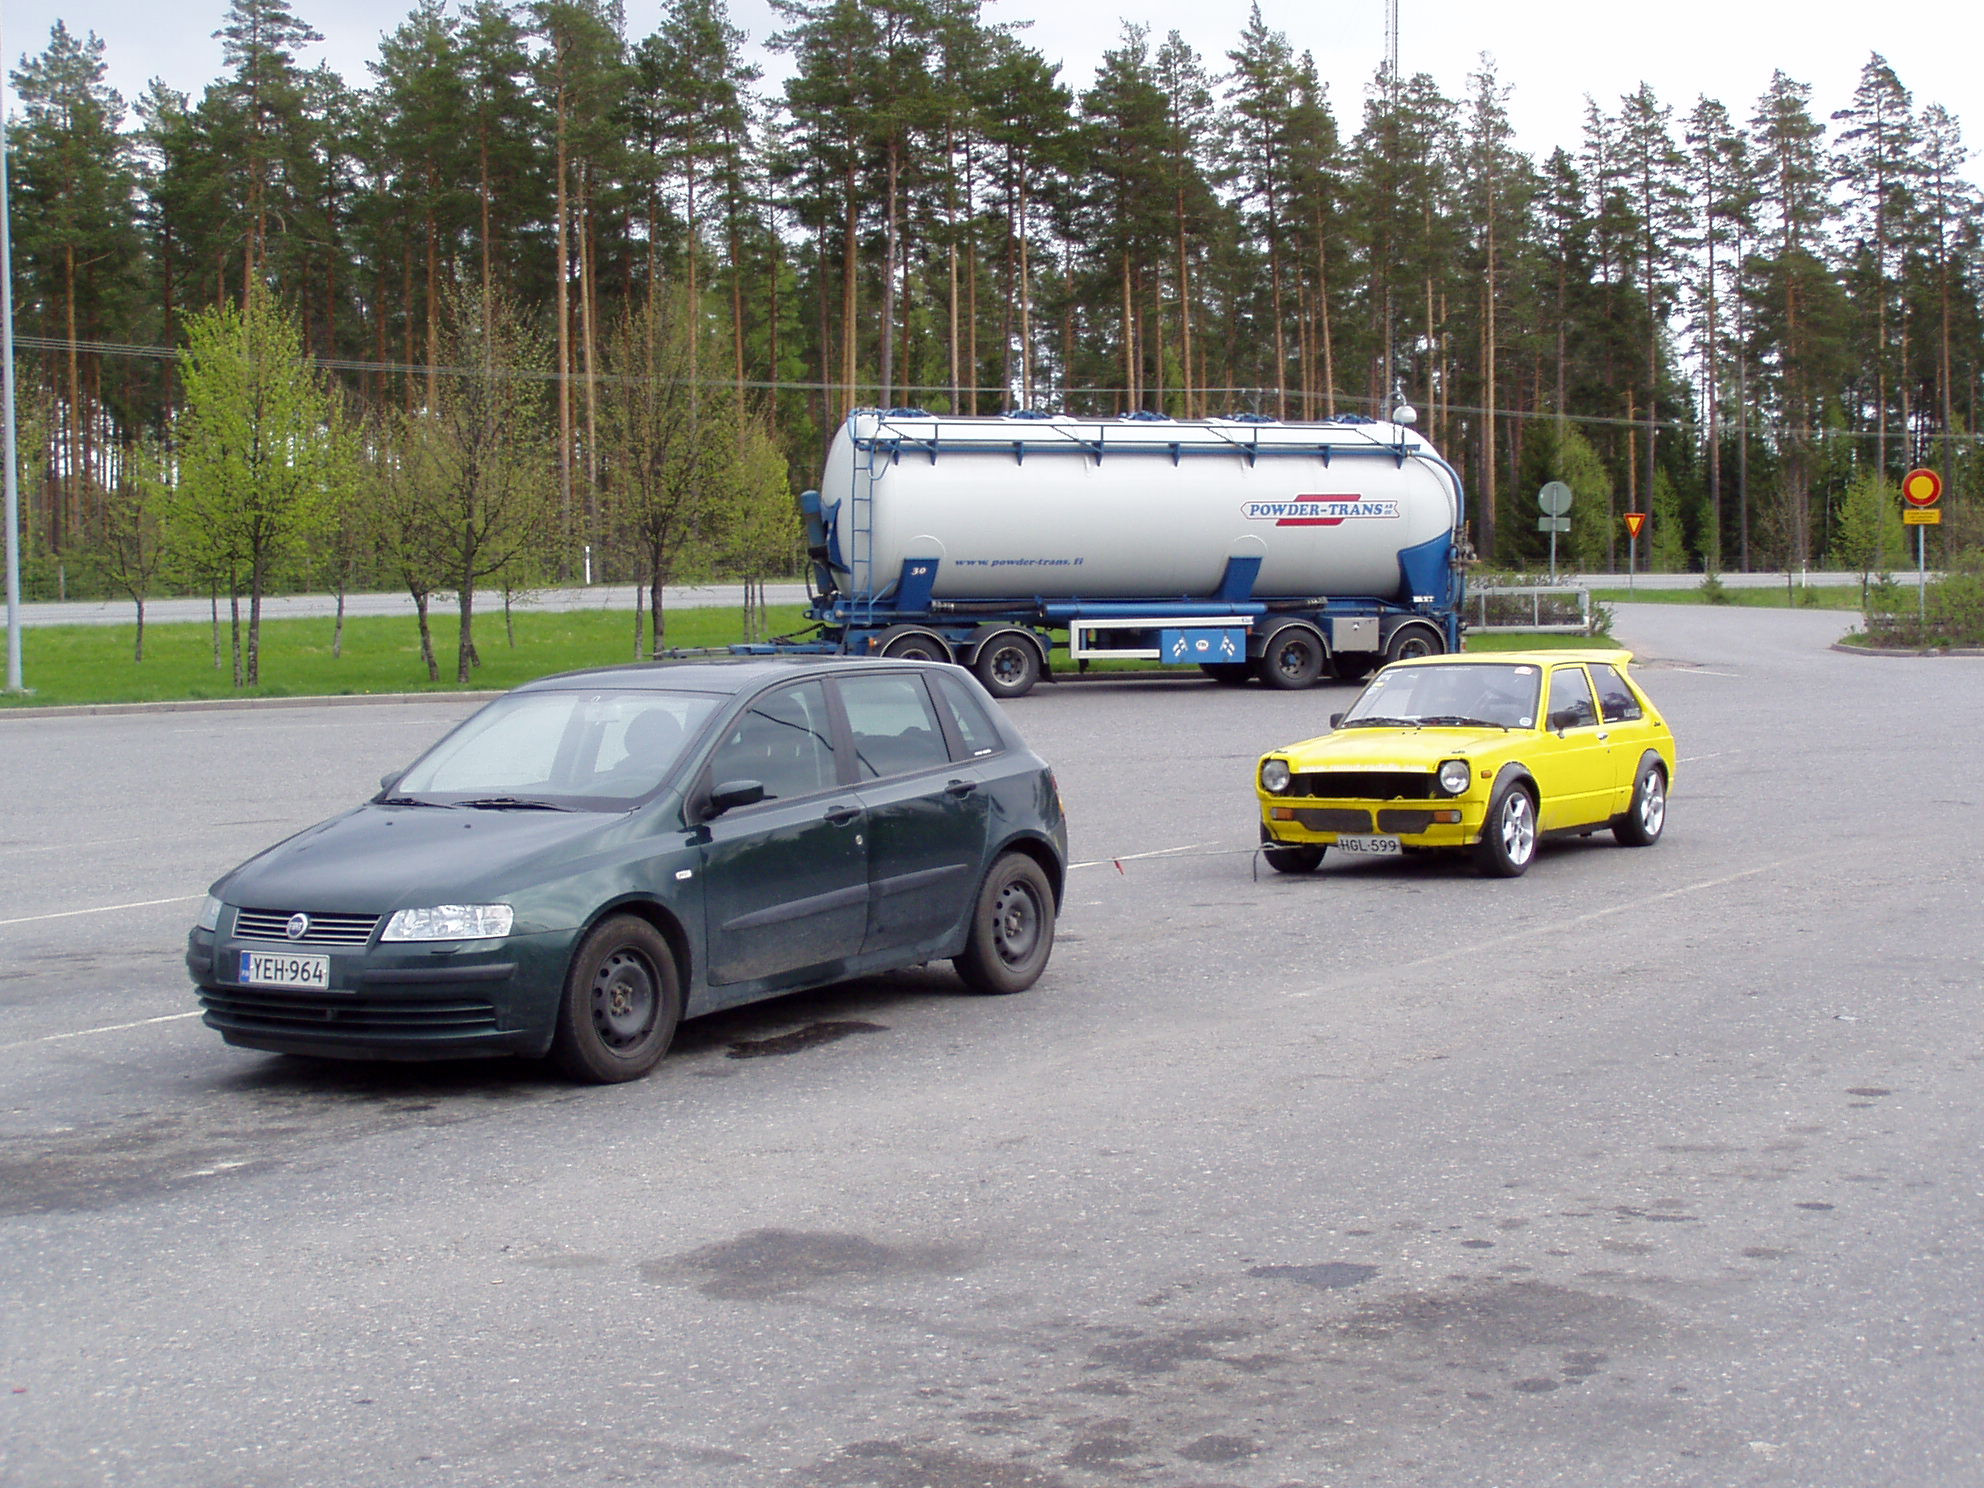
column 1921, row 489
column 1634, row 522
column 1554, row 500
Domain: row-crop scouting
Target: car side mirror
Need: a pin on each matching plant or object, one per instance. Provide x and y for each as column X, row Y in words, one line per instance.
column 1562, row 719
column 1336, row 720
column 734, row 793
column 390, row 779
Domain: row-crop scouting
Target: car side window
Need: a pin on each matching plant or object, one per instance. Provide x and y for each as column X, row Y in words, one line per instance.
column 785, row 740
column 894, row 727
column 980, row 735
column 1570, row 699
column 1615, row 699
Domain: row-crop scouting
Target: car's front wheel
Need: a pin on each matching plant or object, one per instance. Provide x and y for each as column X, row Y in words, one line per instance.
column 1644, row 819
column 1012, row 928
column 1297, row 859
column 1508, row 836
column 622, row 1002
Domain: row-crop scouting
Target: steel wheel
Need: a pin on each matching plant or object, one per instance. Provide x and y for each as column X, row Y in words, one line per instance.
column 1012, row 928
column 1409, row 641
column 1008, row 665
column 621, row 1003
column 1292, row 658
column 914, row 645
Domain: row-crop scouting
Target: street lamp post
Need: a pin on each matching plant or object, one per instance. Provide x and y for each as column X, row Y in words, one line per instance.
column 14, row 683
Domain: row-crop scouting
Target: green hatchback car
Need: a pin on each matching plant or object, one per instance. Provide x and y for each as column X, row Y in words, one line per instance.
column 595, row 856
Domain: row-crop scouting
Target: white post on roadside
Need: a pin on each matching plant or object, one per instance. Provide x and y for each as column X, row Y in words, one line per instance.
column 14, row 683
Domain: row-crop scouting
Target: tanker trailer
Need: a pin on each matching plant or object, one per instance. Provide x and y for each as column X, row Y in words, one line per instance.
column 1245, row 547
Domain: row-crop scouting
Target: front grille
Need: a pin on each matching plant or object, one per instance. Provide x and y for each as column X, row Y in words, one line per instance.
column 1364, row 785
column 252, row 1010
column 1333, row 818
column 325, row 929
column 1404, row 821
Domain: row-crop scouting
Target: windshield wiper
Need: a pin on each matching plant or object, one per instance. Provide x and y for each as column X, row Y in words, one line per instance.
column 510, row 803
column 1459, row 720
column 406, row 801
column 1379, row 722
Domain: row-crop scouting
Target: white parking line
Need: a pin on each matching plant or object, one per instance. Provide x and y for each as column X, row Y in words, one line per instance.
column 64, row 914
column 52, row 1038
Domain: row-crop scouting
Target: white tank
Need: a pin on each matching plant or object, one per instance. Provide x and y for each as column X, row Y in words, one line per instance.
column 1125, row 508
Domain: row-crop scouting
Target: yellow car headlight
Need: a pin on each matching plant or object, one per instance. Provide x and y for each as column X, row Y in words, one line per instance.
column 1454, row 776
column 1274, row 776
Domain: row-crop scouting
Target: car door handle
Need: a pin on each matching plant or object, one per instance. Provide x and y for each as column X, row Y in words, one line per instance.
column 840, row 816
column 960, row 788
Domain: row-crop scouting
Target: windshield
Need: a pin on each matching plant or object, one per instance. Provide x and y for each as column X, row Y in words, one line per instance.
column 1470, row 694
column 558, row 750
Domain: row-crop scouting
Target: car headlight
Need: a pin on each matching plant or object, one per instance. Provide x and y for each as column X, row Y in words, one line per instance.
column 1454, row 776
column 451, row 922
column 209, row 914
column 1274, row 776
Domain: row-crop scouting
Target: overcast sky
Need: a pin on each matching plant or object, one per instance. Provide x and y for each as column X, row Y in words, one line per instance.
column 1553, row 54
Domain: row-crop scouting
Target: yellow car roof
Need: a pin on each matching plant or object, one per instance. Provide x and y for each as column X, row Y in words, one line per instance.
column 1614, row 656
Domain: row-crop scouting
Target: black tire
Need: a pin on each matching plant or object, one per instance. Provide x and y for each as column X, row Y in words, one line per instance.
column 1409, row 641
column 1008, row 664
column 1292, row 659
column 1227, row 673
column 621, row 1004
column 1352, row 666
column 1641, row 825
column 1012, row 928
column 914, row 645
column 1297, row 859
column 1508, row 835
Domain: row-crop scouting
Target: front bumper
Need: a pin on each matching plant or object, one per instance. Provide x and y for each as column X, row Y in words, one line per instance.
column 1312, row 822
column 439, row 1000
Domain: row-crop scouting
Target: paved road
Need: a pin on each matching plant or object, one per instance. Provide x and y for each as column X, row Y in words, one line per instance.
column 314, row 606
column 624, row 597
column 1648, row 1168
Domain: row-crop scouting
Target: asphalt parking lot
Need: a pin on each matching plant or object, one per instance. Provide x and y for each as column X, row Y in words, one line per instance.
column 1650, row 1167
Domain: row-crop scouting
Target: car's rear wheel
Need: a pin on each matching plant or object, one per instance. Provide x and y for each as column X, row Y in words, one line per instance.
column 1297, row 859
column 622, row 1002
column 1508, row 836
column 1641, row 825
column 1012, row 928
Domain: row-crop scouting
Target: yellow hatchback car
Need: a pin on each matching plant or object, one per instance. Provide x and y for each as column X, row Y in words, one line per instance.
column 1485, row 752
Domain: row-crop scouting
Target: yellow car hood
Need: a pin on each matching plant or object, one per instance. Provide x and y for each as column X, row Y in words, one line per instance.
column 1396, row 748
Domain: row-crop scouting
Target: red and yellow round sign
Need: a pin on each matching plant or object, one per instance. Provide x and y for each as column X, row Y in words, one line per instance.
column 1921, row 487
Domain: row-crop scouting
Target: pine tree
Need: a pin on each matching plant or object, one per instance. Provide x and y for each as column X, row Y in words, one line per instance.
column 77, row 253
column 1877, row 162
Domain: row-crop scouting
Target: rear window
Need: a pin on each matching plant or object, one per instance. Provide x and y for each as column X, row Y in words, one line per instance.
column 980, row 734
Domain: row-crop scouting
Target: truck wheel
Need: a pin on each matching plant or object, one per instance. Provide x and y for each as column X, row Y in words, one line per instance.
column 1008, row 664
column 1227, row 673
column 1409, row 641
column 909, row 643
column 1292, row 659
